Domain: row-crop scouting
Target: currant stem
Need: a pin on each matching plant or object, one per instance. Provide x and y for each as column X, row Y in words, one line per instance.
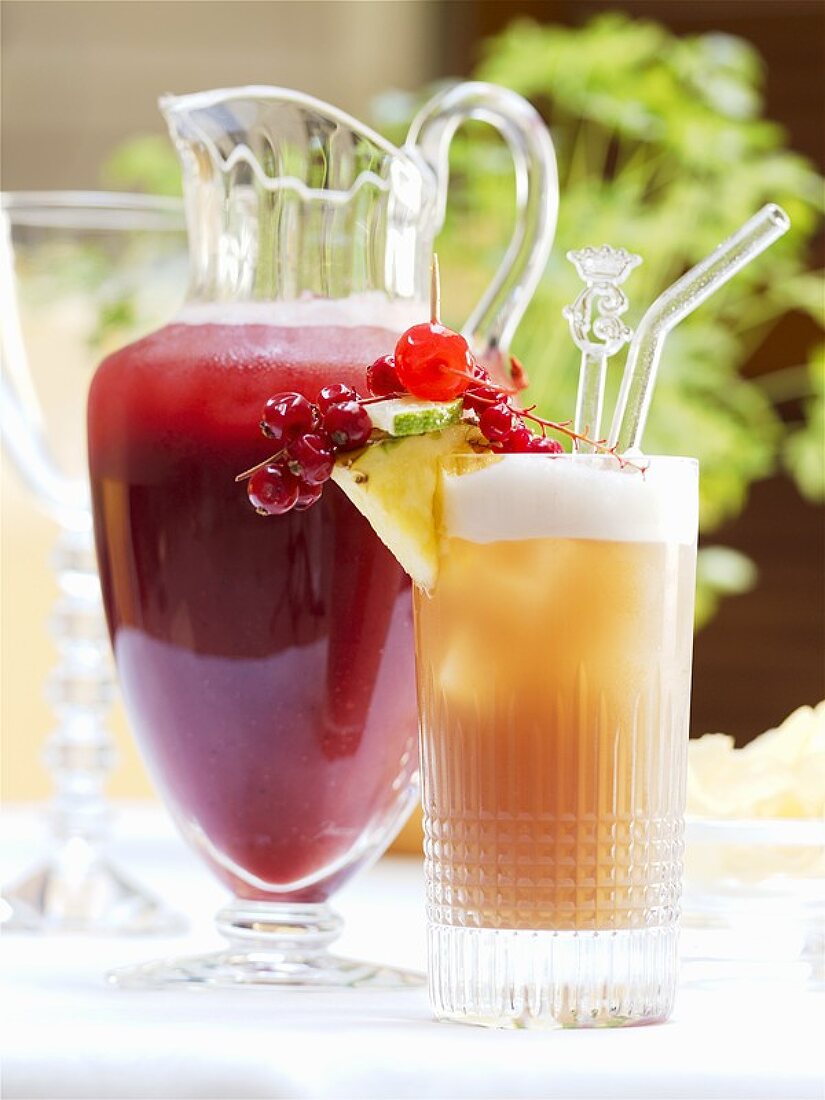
column 460, row 374
column 435, row 291
column 578, row 437
column 382, row 397
column 266, row 462
column 563, row 428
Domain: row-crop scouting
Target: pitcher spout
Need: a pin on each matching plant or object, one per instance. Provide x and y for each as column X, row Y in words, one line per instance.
column 287, row 196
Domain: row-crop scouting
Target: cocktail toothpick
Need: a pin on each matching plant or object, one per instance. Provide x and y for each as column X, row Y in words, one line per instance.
column 603, row 270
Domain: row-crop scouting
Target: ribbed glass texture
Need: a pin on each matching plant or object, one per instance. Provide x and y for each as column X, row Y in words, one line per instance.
column 288, row 197
column 554, row 679
column 518, row 978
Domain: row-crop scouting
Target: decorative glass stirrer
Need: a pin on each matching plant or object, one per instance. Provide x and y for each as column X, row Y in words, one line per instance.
column 603, row 270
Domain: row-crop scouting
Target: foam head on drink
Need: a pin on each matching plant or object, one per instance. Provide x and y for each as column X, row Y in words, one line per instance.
column 554, row 674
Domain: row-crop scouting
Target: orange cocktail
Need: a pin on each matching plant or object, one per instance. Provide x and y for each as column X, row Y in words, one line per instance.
column 554, row 660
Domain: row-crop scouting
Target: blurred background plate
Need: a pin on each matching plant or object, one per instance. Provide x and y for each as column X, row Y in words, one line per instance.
column 754, row 900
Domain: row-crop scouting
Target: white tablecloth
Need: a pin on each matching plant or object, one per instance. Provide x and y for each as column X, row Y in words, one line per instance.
column 67, row 1035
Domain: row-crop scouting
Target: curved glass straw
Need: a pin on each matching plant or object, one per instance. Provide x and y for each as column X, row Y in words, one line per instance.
column 695, row 287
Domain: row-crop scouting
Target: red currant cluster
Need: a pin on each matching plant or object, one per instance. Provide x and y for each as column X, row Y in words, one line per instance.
column 433, row 362
column 502, row 425
column 430, row 362
column 308, row 437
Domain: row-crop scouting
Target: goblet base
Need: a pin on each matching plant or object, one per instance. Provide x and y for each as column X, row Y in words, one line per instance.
column 271, row 944
column 79, row 891
column 230, row 969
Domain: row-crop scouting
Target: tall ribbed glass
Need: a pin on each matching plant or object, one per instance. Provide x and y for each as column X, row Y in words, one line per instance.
column 554, row 659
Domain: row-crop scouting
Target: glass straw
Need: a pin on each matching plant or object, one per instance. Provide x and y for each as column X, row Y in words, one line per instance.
column 680, row 299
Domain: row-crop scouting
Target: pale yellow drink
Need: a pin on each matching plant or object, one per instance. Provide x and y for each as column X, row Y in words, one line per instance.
column 554, row 662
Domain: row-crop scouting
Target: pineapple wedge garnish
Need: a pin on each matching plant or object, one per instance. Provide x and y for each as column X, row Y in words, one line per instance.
column 394, row 484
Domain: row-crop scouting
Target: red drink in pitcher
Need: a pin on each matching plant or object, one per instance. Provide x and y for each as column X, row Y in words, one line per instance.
column 266, row 663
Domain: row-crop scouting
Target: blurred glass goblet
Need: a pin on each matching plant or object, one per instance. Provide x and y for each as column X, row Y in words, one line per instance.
column 80, row 275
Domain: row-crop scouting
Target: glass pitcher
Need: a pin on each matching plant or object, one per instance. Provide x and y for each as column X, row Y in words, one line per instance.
column 267, row 663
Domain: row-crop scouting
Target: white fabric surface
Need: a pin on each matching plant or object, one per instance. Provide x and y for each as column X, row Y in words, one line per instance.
column 65, row 1034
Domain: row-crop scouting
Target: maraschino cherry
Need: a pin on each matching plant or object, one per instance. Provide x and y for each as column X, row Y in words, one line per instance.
column 431, row 360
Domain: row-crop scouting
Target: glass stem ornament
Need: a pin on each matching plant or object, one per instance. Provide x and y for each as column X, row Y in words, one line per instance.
column 603, row 270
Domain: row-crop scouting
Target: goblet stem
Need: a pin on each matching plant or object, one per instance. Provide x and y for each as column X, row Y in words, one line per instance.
column 270, row 943
column 78, row 889
column 80, row 754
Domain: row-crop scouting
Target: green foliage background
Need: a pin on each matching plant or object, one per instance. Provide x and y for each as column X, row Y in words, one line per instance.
column 663, row 149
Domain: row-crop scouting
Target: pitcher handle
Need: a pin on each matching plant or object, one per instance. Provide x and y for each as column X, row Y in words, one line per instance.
column 491, row 325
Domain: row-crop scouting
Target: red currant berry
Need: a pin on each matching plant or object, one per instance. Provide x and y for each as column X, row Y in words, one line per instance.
column 307, row 495
column 286, row 416
column 311, row 458
column 434, row 362
column 520, row 440
column 382, row 378
column 498, row 422
column 348, row 425
column 335, row 394
column 272, row 490
column 479, row 398
column 542, row 445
